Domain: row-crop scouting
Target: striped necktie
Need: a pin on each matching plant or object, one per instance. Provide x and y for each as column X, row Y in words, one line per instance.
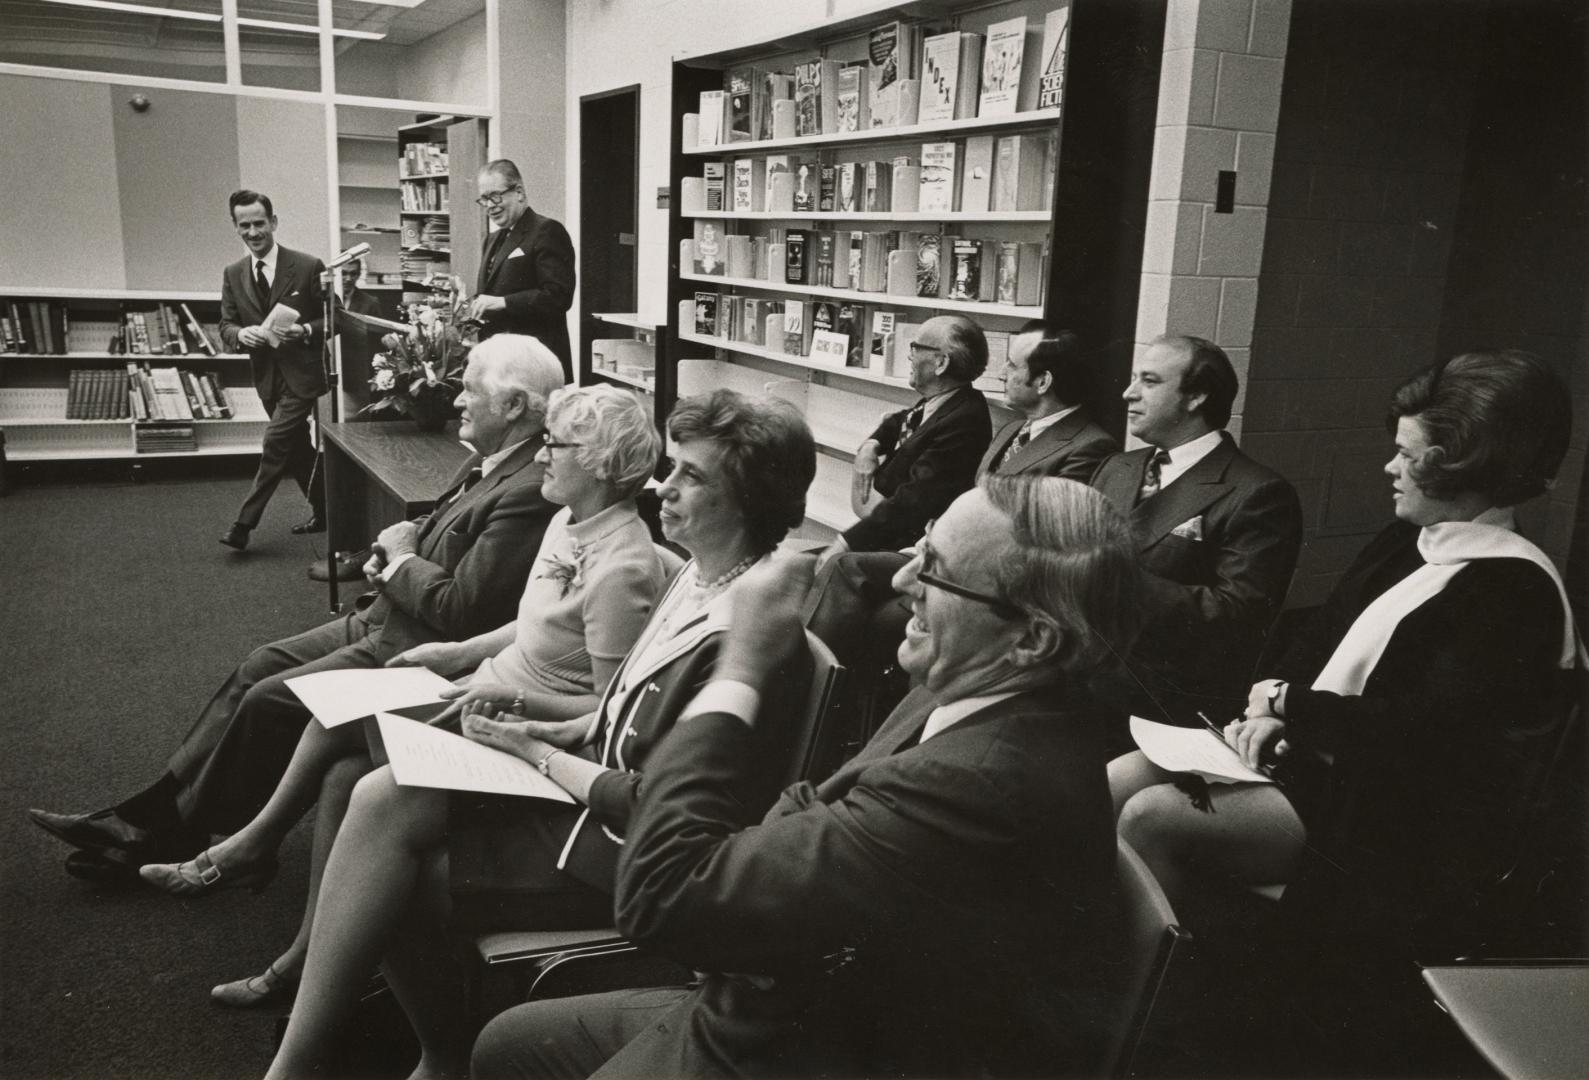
column 1016, row 444
column 912, row 422
column 1150, row 478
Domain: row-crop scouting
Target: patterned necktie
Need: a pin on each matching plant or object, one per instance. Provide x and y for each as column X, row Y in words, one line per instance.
column 912, row 422
column 1150, row 479
column 1022, row 437
column 261, row 286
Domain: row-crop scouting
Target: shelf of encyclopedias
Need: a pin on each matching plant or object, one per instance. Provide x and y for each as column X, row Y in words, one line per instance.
column 66, row 393
column 835, row 188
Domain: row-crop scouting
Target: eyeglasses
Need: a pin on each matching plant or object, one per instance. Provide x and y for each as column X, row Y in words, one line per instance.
column 922, row 352
column 927, row 577
column 494, row 198
column 552, row 444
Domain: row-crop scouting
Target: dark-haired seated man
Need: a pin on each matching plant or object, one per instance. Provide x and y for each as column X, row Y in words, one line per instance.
column 453, row 574
column 943, row 904
column 1217, row 533
column 1045, row 381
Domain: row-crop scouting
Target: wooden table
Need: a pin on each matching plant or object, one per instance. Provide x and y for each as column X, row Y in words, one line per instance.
column 380, row 472
column 1528, row 1019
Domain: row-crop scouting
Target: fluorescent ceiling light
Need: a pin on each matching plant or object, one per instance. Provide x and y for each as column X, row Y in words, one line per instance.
column 210, row 17
column 393, row 3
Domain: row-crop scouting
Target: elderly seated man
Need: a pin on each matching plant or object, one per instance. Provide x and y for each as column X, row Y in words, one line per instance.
column 943, row 904
column 448, row 576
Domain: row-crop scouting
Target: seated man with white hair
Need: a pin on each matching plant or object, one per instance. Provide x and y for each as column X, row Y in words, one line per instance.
column 453, row 574
column 943, row 904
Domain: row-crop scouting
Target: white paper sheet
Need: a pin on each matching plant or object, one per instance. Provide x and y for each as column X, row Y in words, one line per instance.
column 1193, row 750
column 425, row 756
column 335, row 697
column 282, row 317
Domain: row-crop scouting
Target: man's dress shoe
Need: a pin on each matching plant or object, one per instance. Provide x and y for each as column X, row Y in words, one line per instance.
column 100, row 831
column 235, row 537
column 316, row 524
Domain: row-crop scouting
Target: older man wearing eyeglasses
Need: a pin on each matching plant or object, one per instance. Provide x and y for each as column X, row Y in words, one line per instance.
column 526, row 280
column 911, row 468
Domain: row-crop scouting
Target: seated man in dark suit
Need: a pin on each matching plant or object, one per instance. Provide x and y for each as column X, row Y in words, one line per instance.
column 942, row 906
column 1217, row 533
column 448, row 576
column 920, row 458
column 1046, row 381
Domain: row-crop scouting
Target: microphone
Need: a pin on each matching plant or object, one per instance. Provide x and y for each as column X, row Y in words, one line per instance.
column 348, row 256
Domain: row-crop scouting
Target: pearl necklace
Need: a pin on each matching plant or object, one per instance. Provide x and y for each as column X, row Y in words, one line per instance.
column 717, row 584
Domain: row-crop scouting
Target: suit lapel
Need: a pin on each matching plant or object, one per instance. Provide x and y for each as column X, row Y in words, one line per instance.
column 513, row 240
column 437, row 523
column 1191, row 493
column 1001, row 439
column 286, row 274
column 1049, row 443
column 953, row 404
column 1121, row 477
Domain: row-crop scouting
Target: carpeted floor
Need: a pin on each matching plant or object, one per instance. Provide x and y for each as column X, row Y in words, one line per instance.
column 119, row 615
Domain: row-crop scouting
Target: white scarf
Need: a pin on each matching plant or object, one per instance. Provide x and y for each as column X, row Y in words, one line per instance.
column 1446, row 548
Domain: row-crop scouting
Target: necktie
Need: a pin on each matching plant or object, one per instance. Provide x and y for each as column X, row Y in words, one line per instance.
column 493, row 246
column 1150, row 479
column 260, row 284
column 1022, row 437
column 912, row 422
column 468, row 482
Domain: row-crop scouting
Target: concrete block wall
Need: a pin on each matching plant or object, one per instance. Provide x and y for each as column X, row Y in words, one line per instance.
column 1368, row 171
column 1219, row 107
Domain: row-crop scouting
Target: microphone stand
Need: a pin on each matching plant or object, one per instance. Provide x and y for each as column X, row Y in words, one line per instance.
column 331, row 367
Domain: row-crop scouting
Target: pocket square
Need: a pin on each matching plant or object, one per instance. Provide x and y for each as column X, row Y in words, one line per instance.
column 516, row 253
column 1191, row 528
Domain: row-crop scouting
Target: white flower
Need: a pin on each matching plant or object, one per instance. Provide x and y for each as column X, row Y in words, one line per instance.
column 385, row 379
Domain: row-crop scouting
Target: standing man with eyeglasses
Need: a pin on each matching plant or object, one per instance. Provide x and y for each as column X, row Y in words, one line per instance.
column 288, row 373
column 911, row 468
column 526, row 280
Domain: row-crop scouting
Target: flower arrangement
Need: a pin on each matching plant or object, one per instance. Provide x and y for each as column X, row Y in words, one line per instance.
column 569, row 574
column 420, row 373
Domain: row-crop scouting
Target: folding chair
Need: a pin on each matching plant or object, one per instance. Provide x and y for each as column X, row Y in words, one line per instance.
column 1153, row 940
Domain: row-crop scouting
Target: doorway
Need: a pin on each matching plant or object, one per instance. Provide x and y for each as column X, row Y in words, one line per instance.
column 609, row 210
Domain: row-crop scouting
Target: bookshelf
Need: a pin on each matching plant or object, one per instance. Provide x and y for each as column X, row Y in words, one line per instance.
column 440, row 226
column 623, row 351
column 35, row 378
column 368, row 197
column 1086, row 216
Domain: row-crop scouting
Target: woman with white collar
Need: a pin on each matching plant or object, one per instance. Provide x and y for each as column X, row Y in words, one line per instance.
column 1404, row 725
column 433, row 862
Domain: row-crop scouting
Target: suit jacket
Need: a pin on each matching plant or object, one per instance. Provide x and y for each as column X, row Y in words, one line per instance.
column 474, row 554
column 938, row 908
column 1071, row 448
column 293, row 367
column 533, row 270
column 1219, row 545
column 649, row 701
column 918, row 480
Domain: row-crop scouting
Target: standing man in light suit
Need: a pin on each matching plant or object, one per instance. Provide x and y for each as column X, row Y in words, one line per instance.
column 526, row 281
column 289, row 376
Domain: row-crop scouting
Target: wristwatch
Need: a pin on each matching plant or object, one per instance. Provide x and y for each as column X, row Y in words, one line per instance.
column 543, row 765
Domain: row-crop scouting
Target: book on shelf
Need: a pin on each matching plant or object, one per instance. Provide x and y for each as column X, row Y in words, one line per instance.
column 750, row 185
column 743, row 86
column 891, row 50
column 739, row 255
column 816, row 97
column 797, row 327
column 824, row 245
column 1023, row 172
column 422, row 159
column 846, row 186
column 780, row 184
column 827, row 179
column 776, row 86
column 876, row 187
column 850, row 321
column 710, row 132
column 795, row 265
column 705, row 313
column 929, row 264
column 806, row 181
column 965, row 271
column 854, row 109
column 976, row 175
column 940, row 178
column 200, row 336
column 880, row 349
column 709, row 254
column 713, row 173
column 904, row 175
column 195, row 402
column 951, row 69
column 1056, row 49
column 1001, row 67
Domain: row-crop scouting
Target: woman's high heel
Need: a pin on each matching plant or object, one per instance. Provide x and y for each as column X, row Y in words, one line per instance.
column 257, row 990
column 201, row 875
